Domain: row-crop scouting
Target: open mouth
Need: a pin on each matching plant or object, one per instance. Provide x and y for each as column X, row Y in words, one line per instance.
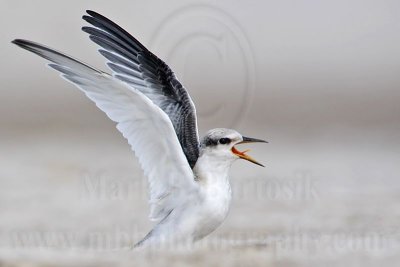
column 243, row 155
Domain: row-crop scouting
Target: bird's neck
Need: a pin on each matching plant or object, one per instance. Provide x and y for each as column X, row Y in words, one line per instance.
column 211, row 169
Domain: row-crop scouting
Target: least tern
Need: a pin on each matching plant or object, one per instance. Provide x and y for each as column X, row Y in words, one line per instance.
column 190, row 193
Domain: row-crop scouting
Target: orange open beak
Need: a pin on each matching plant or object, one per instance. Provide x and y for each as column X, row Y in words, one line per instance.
column 242, row 154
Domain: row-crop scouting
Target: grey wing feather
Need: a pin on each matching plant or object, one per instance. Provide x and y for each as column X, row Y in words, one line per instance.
column 132, row 63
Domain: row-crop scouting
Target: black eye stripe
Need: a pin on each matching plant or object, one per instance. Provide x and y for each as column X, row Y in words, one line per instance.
column 224, row 141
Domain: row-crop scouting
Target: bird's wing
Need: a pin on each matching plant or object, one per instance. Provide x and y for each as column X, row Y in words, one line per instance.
column 132, row 63
column 147, row 128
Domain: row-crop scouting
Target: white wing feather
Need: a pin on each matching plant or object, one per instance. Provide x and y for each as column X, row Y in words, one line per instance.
column 147, row 128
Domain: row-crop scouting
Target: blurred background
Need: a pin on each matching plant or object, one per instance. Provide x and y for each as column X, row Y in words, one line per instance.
column 318, row 79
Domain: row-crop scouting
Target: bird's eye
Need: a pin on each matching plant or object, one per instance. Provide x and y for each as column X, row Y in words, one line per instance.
column 224, row 141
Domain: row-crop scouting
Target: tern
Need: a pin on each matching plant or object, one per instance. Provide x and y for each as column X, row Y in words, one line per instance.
column 190, row 193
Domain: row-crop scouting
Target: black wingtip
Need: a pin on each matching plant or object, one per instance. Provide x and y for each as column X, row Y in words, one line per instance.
column 21, row 42
column 94, row 14
column 86, row 29
column 26, row 44
column 17, row 41
column 91, row 12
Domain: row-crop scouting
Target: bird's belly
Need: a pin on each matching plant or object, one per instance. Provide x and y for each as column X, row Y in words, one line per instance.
column 210, row 215
column 187, row 225
column 197, row 218
column 207, row 224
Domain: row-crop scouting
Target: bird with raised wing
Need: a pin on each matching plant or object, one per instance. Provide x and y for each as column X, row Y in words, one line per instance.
column 190, row 193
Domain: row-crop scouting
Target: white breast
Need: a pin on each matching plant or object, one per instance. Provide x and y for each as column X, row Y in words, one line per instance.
column 214, row 209
column 215, row 194
column 204, row 211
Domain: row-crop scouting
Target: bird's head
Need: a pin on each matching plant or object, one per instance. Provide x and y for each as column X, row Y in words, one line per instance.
column 221, row 143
